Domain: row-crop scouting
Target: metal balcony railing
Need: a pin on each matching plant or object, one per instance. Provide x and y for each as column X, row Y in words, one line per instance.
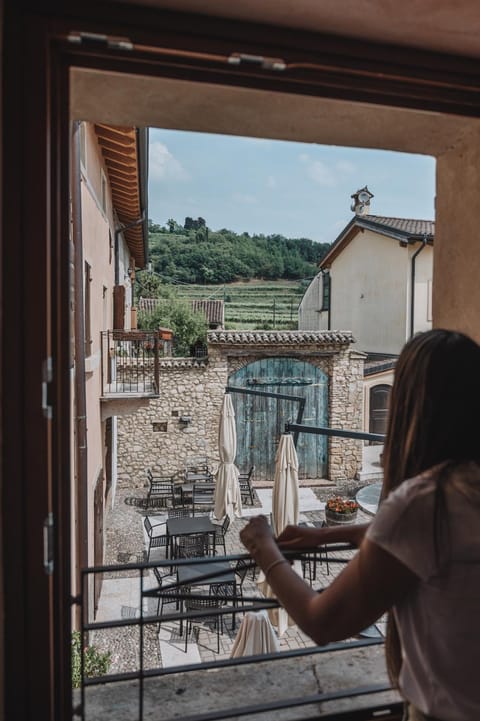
column 140, row 679
column 130, row 362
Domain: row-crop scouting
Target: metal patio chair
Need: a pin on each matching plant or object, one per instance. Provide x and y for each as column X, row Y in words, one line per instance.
column 193, row 546
column 220, row 533
column 246, row 488
column 165, row 596
column 309, row 565
column 203, row 496
column 161, row 492
column 179, row 512
column 204, row 604
column 155, row 538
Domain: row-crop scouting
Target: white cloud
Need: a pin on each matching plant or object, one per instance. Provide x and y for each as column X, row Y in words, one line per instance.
column 346, row 167
column 244, row 198
column 325, row 174
column 163, row 165
column 321, row 174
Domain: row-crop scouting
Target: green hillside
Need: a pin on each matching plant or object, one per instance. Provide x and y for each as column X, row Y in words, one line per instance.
column 260, row 278
column 195, row 254
column 254, row 304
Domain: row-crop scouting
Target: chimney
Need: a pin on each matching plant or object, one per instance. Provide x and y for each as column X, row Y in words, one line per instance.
column 361, row 201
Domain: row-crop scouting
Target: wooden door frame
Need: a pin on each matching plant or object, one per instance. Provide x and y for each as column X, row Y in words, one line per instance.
column 35, row 254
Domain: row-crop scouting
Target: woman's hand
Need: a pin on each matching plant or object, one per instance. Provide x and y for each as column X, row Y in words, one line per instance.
column 256, row 534
column 299, row 537
column 293, row 537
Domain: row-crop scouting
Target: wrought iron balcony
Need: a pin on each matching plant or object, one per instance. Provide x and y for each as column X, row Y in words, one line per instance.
column 130, row 363
column 240, row 687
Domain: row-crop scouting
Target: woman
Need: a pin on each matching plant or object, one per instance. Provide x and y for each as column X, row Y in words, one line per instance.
column 420, row 556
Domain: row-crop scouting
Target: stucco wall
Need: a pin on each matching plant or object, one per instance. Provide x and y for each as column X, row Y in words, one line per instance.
column 309, row 308
column 423, row 288
column 370, row 293
column 456, row 287
column 153, row 438
column 98, row 225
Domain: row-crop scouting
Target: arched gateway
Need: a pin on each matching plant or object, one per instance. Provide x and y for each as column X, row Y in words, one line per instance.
column 319, row 366
column 260, row 420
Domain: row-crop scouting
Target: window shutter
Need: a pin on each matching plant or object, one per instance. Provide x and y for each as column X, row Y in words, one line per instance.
column 119, row 307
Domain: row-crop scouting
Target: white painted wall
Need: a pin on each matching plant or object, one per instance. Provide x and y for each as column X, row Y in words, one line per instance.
column 309, row 309
column 370, row 293
column 423, row 288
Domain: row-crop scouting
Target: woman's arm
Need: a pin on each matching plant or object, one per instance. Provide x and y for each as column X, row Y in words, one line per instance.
column 298, row 537
column 367, row 587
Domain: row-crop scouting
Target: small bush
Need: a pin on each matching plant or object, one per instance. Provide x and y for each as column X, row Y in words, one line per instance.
column 95, row 663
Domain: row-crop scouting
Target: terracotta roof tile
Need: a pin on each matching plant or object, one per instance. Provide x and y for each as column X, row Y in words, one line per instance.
column 274, row 337
column 213, row 309
column 407, row 225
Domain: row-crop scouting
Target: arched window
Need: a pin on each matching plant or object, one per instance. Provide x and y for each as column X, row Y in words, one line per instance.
column 379, row 401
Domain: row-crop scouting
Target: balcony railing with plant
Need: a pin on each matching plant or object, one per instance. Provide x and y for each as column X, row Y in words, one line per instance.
column 130, row 362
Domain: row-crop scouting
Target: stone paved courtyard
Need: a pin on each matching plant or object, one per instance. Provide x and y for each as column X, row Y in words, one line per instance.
column 125, row 542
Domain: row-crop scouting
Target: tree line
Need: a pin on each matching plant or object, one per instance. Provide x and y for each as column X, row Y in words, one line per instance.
column 193, row 253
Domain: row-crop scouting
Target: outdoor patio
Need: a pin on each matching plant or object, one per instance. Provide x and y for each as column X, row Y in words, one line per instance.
column 126, row 542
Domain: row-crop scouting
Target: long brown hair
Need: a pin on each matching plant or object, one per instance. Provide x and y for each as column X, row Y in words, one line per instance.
column 433, row 419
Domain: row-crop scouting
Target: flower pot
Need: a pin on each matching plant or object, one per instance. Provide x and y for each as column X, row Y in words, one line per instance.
column 338, row 519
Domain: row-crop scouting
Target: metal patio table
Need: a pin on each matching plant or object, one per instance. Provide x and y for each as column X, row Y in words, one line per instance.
column 218, row 572
column 188, row 526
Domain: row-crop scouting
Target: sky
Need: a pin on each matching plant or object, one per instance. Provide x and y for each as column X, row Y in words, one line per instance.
column 270, row 186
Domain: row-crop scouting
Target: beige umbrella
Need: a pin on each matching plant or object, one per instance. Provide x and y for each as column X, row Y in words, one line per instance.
column 285, row 486
column 284, row 512
column 255, row 635
column 228, row 500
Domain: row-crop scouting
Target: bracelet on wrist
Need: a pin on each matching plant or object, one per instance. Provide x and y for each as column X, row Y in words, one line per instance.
column 272, row 566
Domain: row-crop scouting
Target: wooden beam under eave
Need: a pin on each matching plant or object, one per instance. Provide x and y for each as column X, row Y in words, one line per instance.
column 126, row 197
column 109, row 135
column 121, row 170
column 129, row 152
column 121, row 158
column 127, row 189
column 124, row 209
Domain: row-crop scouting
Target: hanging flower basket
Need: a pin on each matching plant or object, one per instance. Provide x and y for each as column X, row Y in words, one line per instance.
column 340, row 511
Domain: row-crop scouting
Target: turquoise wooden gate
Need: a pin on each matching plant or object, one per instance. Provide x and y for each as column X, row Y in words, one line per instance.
column 260, row 421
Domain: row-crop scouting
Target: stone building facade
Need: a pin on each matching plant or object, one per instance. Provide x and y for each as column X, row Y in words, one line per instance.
column 183, row 421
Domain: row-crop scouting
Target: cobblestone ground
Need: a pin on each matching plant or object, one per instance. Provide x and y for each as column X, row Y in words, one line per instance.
column 125, row 543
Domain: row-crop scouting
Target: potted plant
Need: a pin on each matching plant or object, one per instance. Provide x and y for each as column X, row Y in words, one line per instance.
column 340, row 510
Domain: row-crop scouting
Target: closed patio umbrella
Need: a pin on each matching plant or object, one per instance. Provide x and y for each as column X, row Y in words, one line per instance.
column 228, row 500
column 255, row 635
column 285, row 486
column 284, row 512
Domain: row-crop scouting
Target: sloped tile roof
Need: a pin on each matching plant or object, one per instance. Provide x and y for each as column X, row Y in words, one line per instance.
column 171, row 362
column 287, row 337
column 123, row 149
column 213, row 309
column 378, row 362
column 411, row 226
column 404, row 230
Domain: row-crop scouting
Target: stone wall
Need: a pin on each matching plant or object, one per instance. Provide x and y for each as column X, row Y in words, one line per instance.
column 156, row 438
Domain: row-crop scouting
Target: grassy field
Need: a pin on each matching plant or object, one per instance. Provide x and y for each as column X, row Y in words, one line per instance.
column 256, row 304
